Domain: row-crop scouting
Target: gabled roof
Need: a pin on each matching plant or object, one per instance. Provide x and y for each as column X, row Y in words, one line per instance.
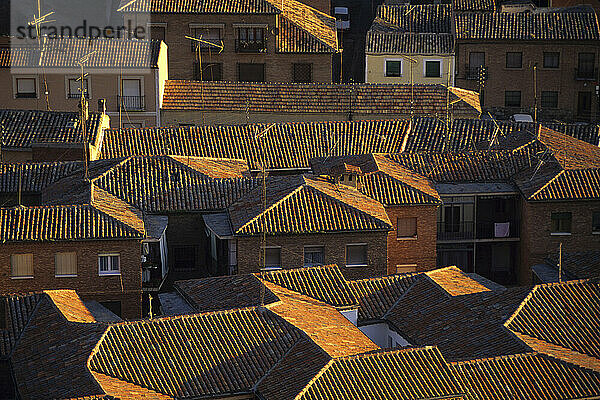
column 199, row 6
column 588, row 133
column 578, row 264
column 311, row 98
column 552, row 25
column 571, row 153
column 18, row 309
column 565, row 314
column 224, row 352
column 24, row 128
column 456, row 282
column 390, row 42
column 420, row 373
column 66, row 52
column 34, row 177
column 473, row 5
column 581, row 184
column 530, row 376
column 419, row 18
column 304, row 204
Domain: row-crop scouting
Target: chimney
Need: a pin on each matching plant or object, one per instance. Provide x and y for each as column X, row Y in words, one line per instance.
column 102, row 106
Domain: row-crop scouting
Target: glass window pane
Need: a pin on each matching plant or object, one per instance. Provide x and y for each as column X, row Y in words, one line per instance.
column 407, row 227
column 514, row 60
column 551, row 60
column 66, row 263
column 356, row 254
column 549, row 99
column 114, row 263
column 433, row 69
column 393, row 68
column 21, row 265
column 596, row 222
column 273, row 257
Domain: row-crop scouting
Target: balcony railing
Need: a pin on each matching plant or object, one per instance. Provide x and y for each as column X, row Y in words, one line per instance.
column 131, row 103
column 77, row 96
column 586, row 74
column 472, row 73
column 251, row 46
column 485, row 230
column 205, row 46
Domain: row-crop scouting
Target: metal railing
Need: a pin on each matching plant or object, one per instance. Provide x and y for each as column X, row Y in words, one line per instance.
column 205, row 46
column 485, row 230
column 131, row 103
column 455, row 231
column 586, row 74
column 251, row 46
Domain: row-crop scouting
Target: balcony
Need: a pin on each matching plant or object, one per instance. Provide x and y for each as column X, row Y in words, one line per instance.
column 472, row 73
column 251, row 46
column 586, row 74
column 77, row 95
column 131, row 103
column 485, row 230
column 205, row 47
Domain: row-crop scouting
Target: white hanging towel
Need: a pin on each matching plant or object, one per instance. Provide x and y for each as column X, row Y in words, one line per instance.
column 501, row 229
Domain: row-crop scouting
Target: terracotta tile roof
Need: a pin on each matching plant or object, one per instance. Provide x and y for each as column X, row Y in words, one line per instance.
column 122, row 390
column 70, row 305
column 570, row 152
column 565, row 314
column 529, row 376
column 24, row 128
column 18, row 309
column 456, row 282
column 215, row 167
column 586, row 132
column 362, row 98
column 224, row 352
column 322, row 323
column 377, row 295
column 579, row 184
column 69, row 222
column 428, row 315
column 199, row 7
column 392, row 184
column 34, row 176
column 473, row 5
column 409, row 43
column 51, row 343
column 422, row 18
column 224, row 292
column 295, row 370
column 579, row 264
column 553, row 25
column 324, row 283
column 66, row 52
column 304, row 204
column 303, row 29
column 420, row 373
column 286, row 145
column 163, row 184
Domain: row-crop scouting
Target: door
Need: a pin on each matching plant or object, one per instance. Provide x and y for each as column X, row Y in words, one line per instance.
column 132, row 94
column 584, row 104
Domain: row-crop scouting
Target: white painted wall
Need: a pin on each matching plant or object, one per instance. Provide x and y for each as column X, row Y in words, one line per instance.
column 383, row 336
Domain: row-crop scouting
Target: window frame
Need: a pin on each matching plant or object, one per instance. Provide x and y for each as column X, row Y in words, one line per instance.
column 321, row 247
column 110, row 272
column 385, row 67
column 68, row 80
column 21, row 276
column 366, row 264
column 203, row 46
column 151, row 25
column 303, row 64
column 520, row 53
column 439, row 61
column 595, row 228
column 56, row 274
column 548, row 53
column 271, row 267
column 506, row 92
column 559, row 232
column 205, row 66
column 264, row 71
column 413, row 237
column 16, row 86
column 555, row 105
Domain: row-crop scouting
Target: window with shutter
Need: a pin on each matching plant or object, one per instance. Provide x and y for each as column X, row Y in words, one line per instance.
column 356, row 255
column 65, row 264
column 273, row 257
column 406, row 228
column 21, row 266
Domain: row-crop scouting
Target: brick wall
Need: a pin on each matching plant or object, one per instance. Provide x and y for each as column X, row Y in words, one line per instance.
column 278, row 66
column 321, row 5
column 501, row 79
column 421, row 250
column 89, row 284
column 537, row 243
column 292, row 251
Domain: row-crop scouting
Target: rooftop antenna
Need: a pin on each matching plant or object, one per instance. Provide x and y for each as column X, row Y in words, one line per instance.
column 38, row 20
column 560, row 262
column 84, row 112
column 535, row 99
column 199, row 54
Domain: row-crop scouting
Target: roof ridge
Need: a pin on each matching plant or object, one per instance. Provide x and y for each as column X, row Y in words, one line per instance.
column 314, row 379
column 520, row 307
column 547, row 184
column 503, row 356
column 35, row 308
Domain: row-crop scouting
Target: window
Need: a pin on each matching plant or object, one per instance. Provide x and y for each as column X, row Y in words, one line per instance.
column 302, row 73
column 26, row 88
column 251, row 40
column 512, row 98
column 184, row 258
column 356, row 255
column 157, row 32
column 393, row 68
column 109, row 264
column 433, row 68
column 406, row 268
column 209, row 72
column 514, row 60
column 596, row 222
column 406, row 228
column 65, row 264
column 561, row 222
column 21, row 266
column 313, row 255
column 549, row 99
column 584, row 104
column 210, row 35
column 585, row 66
column 74, row 88
column 131, row 94
column 273, row 257
column 476, row 62
column 251, row 72
column 551, row 60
